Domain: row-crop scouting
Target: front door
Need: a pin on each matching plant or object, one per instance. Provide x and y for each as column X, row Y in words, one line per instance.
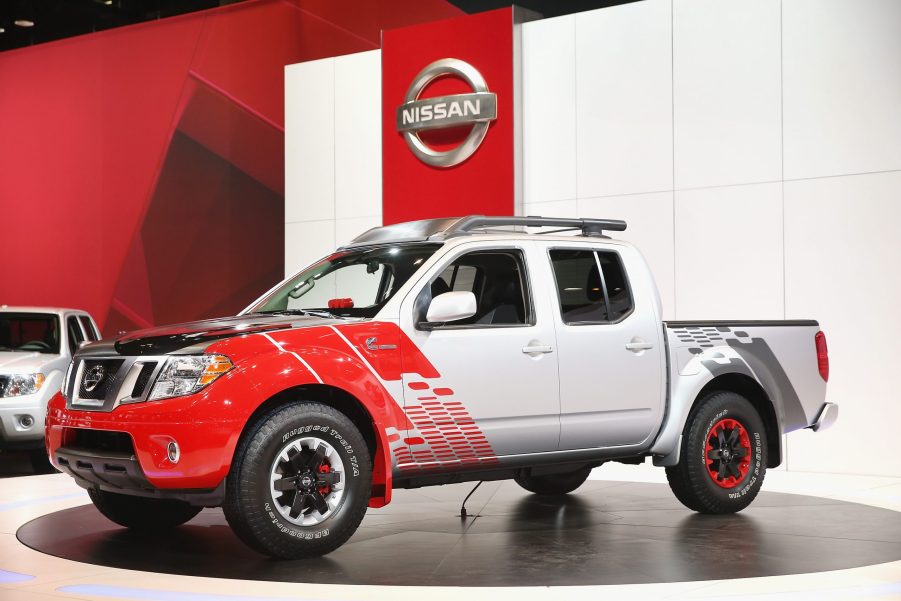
column 493, row 385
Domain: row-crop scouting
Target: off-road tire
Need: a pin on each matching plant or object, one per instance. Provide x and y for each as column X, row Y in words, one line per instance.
column 142, row 513
column 249, row 504
column 692, row 482
column 554, row 484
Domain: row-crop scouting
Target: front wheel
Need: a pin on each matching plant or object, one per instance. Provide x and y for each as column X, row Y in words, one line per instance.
column 142, row 513
column 723, row 457
column 300, row 482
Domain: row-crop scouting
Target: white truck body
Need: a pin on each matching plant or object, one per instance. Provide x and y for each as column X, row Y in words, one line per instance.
column 22, row 415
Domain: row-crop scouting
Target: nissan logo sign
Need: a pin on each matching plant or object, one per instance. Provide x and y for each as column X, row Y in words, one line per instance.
column 478, row 108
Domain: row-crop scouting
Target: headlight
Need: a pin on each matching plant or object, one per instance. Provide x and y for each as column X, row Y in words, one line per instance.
column 188, row 374
column 21, row 384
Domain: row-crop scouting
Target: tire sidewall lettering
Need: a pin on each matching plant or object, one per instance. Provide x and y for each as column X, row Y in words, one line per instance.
column 332, row 436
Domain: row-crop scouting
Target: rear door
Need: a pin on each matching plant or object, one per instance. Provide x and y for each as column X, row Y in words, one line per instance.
column 493, row 388
column 610, row 346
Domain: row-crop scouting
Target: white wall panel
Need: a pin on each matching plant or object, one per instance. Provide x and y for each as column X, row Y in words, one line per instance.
column 307, row 241
column 554, row 208
column 729, row 253
column 309, row 141
column 841, row 255
column 349, row 228
column 624, row 99
column 358, row 135
column 650, row 228
column 841, row 66
column 727, row 108
column 549, row 109
column 333, row 149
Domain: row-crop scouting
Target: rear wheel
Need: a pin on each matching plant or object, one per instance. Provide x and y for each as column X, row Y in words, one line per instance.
column 723, row 457
column 142, row 513
column 554, row 484
column 300, row 482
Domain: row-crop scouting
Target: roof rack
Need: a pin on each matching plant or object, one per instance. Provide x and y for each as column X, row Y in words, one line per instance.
column 589, row 227
column 442, row 229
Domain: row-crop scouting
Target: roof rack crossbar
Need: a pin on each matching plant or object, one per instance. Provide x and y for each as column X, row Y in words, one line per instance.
column 589, row 227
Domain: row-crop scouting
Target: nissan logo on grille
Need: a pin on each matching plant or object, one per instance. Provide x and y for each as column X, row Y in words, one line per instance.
column 93, row 378
column 478, row 108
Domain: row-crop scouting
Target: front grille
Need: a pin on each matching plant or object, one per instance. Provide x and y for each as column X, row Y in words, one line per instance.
column 101, row 440
column 143, row 379
column 106, row 369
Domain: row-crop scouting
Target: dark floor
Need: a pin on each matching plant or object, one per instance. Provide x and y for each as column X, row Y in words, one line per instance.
column 606, row 533
column 14, row 463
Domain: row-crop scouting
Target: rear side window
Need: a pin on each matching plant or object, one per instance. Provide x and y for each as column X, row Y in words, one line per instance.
column 591, row 286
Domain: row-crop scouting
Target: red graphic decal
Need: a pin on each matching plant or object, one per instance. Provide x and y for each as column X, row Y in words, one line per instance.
column 452, row 437
column 418, row 385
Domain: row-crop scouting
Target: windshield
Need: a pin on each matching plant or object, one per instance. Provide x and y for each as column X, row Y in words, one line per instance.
column 29, row 332
column 354, row 283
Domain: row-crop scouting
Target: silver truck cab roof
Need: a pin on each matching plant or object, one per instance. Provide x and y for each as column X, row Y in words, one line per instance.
column 61, row 311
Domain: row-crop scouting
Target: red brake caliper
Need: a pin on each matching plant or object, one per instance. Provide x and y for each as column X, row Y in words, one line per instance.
column 728, row 426
column 324, row 469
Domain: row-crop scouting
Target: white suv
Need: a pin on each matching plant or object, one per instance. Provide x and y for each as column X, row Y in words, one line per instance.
column 36, row 348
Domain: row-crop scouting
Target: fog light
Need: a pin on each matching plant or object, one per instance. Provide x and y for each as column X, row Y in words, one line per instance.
column 26, row 421
column 173, row 451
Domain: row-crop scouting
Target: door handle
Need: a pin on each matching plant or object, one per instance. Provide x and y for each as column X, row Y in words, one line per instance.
column 637, row 345
column 538, row 348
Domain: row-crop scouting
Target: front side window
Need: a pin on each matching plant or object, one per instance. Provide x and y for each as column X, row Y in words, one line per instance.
column 591, row 286
column 31, row 332
column 355, row 283
column 496, row 278
column 88, row 328
column 75, row 335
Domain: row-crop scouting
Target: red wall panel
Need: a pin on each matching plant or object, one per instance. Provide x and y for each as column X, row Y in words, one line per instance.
column 182, row 117
column 484, row 182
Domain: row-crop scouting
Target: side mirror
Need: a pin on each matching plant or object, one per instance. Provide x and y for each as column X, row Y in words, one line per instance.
column 451, row 306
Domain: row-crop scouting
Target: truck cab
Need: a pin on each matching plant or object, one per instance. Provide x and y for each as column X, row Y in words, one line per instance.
column 36, row 348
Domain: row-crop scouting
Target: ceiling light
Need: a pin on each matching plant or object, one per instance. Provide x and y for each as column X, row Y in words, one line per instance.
column 2, row 30
column 23, row 23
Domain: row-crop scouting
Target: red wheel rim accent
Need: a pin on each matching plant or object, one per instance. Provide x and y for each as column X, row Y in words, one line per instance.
column 727, row 453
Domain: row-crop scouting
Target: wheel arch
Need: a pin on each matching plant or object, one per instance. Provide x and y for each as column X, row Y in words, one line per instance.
column 350, row 406
column 750, row 389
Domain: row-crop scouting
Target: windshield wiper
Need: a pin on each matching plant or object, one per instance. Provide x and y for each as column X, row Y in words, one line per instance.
column 310, row 312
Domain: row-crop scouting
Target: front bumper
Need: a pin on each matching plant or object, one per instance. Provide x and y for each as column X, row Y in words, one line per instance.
column 121, row 473
column 13, row 434
column 203, row 426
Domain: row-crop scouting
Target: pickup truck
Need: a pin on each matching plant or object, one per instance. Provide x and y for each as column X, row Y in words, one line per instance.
column 427, row 353
column 36, row 347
